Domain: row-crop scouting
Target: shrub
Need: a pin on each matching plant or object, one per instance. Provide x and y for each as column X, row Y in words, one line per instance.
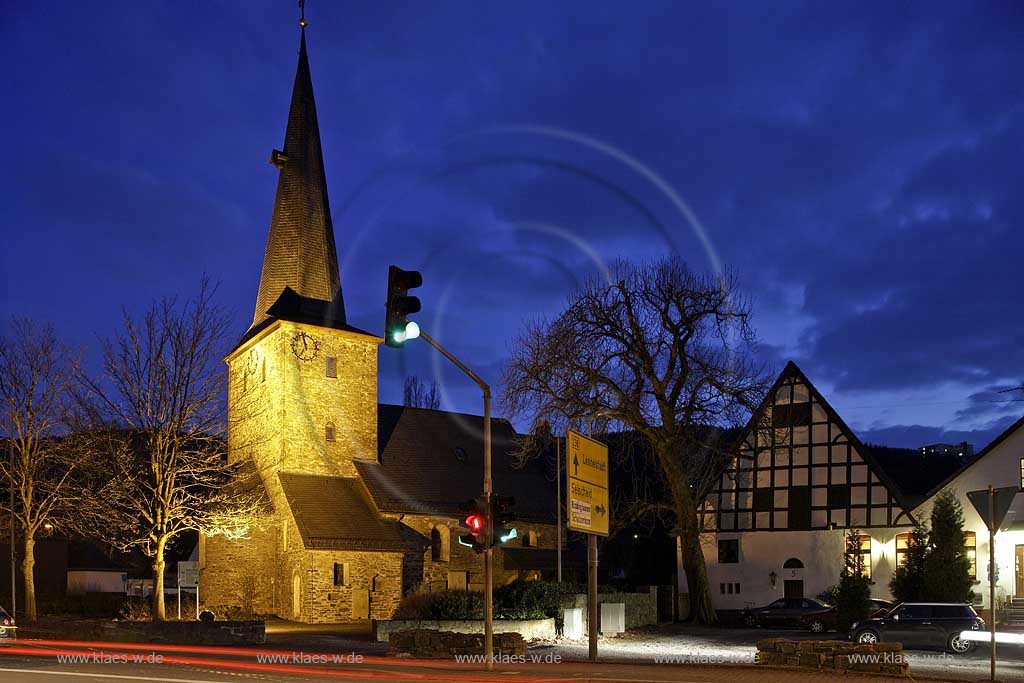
column 947, row 569
column 830, row 594
column 456, row 605
column 908, row 580
column 441, row 605
column 532, row 599
column 138, row 609
column 853, row 594
column 518, row 600
column 525, row 600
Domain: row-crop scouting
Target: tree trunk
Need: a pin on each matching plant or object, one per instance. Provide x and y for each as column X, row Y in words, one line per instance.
column 28, row 565
column 701, row 611
column 159, row 609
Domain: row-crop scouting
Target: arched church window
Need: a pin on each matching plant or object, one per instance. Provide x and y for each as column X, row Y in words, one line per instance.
column 329, row 432
column 332, row 366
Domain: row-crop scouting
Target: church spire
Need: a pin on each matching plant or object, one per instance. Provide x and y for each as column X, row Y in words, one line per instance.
column 300, row 247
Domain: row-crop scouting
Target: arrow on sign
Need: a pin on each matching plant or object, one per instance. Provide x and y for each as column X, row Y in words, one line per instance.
column 599, row 510
column 576, row 465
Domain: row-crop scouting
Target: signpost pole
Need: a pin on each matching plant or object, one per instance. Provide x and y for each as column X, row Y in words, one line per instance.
column 592, row 593
column 558, row 486
column 586, row 462
column 179, row 597
column 489, row 549
column 592, row 580
column 992, row 575
column 14, row 562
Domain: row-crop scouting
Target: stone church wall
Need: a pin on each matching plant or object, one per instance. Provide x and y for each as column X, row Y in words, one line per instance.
column 457, row 566
column 239, row 575
column 338, row 586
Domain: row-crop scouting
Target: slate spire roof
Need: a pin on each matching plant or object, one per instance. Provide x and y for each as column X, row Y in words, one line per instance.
column 300, row 247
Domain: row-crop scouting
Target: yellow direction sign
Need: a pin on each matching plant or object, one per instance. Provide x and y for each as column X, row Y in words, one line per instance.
column 587, row 467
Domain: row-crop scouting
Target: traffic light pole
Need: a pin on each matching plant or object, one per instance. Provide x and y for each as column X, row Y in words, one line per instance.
column 488, row 486
column 14, row 562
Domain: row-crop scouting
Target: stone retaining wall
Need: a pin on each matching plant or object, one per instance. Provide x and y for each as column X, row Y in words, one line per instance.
column 833, row 655
column 528, row 629
column 432, row 644
column 641, row 607
column 177, row 632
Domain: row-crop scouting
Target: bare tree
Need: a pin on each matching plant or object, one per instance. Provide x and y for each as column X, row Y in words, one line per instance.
column 417, row 395
column 660, row 351
column 36, row 375
column 161, row 404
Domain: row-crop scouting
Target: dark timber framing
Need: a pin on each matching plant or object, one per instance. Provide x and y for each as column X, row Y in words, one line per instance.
column 818, row 473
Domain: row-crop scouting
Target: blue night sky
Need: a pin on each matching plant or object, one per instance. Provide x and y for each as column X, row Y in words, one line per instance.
column 855, row 164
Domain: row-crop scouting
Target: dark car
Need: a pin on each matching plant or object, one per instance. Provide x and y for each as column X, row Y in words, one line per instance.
column 922, row 625
column 782, row 612
column 8, row 629
column 825, row 620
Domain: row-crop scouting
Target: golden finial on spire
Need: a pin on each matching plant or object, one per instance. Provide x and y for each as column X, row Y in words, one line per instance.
column 302, row 12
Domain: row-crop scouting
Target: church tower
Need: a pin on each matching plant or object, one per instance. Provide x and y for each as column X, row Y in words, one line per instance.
column 302, row 411
column 303, row 382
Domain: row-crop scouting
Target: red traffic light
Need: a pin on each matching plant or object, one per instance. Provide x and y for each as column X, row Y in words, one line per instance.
column 475, row 522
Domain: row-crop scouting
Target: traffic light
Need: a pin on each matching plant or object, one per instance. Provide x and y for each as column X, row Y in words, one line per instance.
column 476, row 521
column 397, row 327
column 502, row 516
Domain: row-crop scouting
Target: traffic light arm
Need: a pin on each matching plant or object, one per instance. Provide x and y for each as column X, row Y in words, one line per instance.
column 488, row 488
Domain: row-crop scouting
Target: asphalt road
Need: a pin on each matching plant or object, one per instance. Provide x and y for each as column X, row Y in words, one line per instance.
column 678, row 653
column 47, row 662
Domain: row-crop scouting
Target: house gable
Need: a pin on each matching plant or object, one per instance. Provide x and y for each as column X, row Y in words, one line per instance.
column 800, row 467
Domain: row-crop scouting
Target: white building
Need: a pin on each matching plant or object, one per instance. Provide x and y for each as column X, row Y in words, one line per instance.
column 1000, row 464
column 803, row 481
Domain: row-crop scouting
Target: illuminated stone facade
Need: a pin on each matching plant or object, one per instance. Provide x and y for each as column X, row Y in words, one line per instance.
column 302, row 409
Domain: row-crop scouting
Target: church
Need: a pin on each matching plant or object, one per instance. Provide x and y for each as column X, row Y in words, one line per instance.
column 365, row 496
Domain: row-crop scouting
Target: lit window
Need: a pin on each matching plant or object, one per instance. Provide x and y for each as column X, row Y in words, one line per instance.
column 329, row 432
column 971, row 541
column 332, row 366
column 858, row 554
column 902, row 545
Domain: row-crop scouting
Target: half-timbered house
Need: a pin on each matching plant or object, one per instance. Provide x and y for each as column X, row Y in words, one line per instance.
column 779, row 522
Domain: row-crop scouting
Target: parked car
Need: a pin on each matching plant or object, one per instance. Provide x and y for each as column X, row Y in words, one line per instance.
column 783, row 612
column 8, row 629
column 922, row 625
column 825, row 620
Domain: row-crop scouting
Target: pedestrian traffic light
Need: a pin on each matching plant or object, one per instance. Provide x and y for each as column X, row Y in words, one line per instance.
column 502, row 517
column 475, row 520
column 397, row 327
